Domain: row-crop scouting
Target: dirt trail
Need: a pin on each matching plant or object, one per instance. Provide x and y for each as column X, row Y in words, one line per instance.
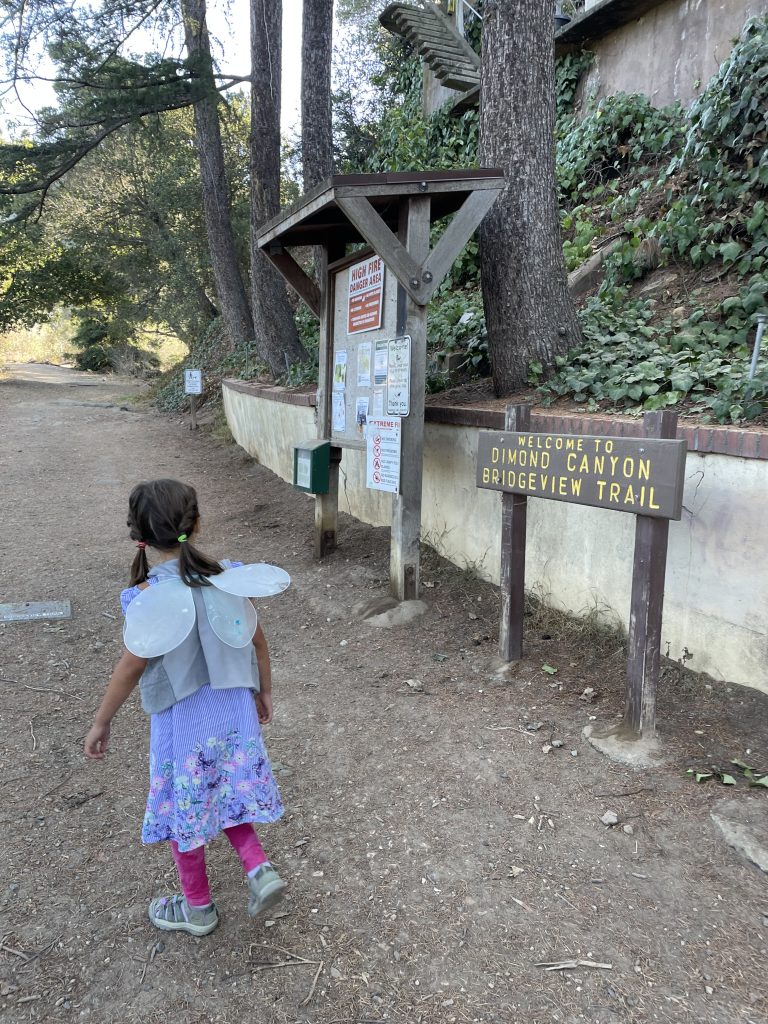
column 435, row 853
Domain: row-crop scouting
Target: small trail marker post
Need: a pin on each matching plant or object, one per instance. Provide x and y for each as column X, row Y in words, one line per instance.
column 642, row 475
column 372, row 306
column 193, row 386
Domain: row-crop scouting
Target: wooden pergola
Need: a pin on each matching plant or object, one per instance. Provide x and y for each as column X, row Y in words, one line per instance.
column 391, row 216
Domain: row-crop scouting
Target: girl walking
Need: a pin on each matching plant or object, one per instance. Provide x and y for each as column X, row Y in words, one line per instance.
column 209, row 770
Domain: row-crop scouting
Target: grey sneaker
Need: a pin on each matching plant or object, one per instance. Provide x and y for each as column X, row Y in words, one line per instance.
column 173, row 913
column 266, row 888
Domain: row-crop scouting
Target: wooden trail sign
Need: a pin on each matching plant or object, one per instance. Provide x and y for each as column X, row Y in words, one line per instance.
column 627, row 474
column 643, row 475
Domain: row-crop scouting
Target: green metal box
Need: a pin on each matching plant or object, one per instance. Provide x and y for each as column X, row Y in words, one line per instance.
column 312, row 466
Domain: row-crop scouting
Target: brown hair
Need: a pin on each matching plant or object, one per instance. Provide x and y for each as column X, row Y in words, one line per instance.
column 159, row 512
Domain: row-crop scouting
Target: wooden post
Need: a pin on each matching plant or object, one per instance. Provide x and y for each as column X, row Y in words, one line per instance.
column 193, row 412
column 326, row 505
column 406, row 506
column 514, row 515
column 647, row 602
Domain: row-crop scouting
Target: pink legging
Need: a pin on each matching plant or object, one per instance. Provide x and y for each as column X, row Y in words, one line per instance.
column 191, row 865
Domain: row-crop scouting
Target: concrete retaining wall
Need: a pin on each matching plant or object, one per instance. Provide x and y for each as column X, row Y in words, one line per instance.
column 716, row 604
column 670, row 53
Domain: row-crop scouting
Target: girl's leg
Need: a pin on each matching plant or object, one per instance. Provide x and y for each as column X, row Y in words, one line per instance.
column 193, row 912
column 264, row 884
column 192, row 874
column 247, row 847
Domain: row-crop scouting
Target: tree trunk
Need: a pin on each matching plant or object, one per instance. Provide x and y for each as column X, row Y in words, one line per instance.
column 316, row 53
column 230, row 288
column 276, row 339
column 528, row 310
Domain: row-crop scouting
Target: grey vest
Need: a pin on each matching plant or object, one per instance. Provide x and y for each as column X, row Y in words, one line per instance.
column 202, row 658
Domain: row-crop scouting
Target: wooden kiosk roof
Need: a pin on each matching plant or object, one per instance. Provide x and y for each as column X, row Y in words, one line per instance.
column 317, row 217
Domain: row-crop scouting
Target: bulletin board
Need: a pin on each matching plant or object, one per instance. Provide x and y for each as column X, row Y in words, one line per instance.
column 364, row 336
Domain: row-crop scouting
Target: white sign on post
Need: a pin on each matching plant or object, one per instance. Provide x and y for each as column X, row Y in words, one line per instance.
column 193, row 382
column 399, row 377
column 383, row 454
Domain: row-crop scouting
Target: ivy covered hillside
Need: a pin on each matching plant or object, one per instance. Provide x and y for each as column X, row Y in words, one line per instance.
column 677, row 199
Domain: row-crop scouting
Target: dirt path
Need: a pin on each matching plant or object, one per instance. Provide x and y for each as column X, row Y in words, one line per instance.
column 435, row 853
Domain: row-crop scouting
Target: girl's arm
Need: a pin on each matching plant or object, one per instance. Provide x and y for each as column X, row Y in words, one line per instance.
column 264, row 696
column 124, row 679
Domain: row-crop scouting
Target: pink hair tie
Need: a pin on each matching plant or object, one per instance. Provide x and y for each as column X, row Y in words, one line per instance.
column 141, row 544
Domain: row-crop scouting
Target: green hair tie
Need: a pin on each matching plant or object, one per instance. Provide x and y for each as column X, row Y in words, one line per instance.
column 182, row 538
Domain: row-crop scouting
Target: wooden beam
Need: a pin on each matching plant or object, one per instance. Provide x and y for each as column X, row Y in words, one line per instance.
column 296, row 277
column 326, row 505
column 406, row 506
column 455, row 237
column 396, row 257
column 514, row 518
column 647, row 602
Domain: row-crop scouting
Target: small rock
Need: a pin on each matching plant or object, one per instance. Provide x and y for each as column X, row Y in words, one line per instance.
column 533, row 726
column 160, row 947
column 588, row 694
column 546, row 748
column 557, row 744
column 610, row 818
column 628, row 829
column 415, row 684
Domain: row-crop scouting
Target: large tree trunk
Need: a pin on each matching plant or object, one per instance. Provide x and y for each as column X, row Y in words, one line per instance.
column 316, row 54
column 276, row 339
column 230, row 288
column 528, row 310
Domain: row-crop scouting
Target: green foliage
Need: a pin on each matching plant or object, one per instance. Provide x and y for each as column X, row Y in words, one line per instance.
column 624, row 133
column 457, row 324
column 630, row 362
column 568, row 73
column 104, row 344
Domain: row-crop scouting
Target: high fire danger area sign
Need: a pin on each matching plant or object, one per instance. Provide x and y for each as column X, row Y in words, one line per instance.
column 383, row 454
column 366, row 292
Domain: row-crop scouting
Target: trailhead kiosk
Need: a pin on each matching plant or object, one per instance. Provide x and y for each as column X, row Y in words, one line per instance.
column 372, row 307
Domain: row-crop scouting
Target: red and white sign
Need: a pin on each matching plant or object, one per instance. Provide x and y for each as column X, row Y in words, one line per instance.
column 383, row 454
column 365, row 303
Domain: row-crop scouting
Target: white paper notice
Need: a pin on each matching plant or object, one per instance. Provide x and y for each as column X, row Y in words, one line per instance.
column 339, row 412
column 340, row 370
column 378, row 402
column 380, row 361
column 303, row 470
column 361, row 414
column 383, row 454
column 399, row 377
column 364, row 365
column 193, row 382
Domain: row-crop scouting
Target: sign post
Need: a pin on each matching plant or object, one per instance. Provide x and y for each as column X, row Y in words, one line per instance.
column 514, row 518
column 193, row 386
column 644, row 476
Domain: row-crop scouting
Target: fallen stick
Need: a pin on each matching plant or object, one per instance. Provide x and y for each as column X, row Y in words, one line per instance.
column 569, row 965
column 34, row 738
column 313, row 986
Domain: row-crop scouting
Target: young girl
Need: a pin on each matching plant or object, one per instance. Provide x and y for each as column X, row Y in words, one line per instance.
column 209, row 771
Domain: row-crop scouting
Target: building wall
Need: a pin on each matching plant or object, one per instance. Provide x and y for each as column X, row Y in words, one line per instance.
column 671, row 52
column 579, row 558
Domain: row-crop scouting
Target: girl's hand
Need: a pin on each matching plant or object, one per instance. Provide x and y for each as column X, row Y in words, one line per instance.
column 264, row 707
column 96, row 742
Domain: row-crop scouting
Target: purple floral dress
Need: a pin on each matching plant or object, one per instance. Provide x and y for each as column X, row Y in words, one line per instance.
column 208, row 766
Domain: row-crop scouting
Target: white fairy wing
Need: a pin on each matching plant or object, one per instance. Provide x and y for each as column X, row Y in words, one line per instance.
column 255, row 580
column 159, row 619
column 233, row 619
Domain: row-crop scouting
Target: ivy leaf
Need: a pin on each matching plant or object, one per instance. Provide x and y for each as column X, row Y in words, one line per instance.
column 760, row 782
column 549, row 670
column 728, row 780
column 730, row 251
